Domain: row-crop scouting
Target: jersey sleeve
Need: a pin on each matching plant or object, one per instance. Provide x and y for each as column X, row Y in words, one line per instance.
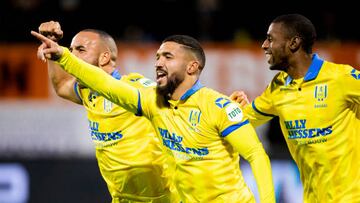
column 234, row 127
column 95, row 78
column 260, row 110
column 350, row 84
column 147, row 93
column 77, row 91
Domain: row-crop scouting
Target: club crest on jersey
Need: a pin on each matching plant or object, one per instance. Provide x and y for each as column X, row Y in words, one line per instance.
column 107, row 105
column 321, row 92
column 194, row 117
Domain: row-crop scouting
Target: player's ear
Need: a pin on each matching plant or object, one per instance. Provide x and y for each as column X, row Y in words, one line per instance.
column 193, row 67
column 104, row 58
column 295, row 43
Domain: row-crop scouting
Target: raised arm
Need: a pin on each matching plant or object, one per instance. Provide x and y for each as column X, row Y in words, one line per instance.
column 115, row 90
column 62, row 82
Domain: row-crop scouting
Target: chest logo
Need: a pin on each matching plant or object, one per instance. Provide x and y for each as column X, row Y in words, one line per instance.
column 107, row 105
column 194, row 117
column 321, row 92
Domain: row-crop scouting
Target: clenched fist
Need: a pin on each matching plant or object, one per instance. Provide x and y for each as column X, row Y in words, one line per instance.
column 51, row 30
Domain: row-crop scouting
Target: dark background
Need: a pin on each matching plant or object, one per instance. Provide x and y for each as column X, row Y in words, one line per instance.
column 207, row 20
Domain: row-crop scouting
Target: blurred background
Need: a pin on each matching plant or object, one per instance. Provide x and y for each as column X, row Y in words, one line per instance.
column 46, row 153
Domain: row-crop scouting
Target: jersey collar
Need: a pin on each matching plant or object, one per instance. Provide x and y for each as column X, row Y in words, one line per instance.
column 314, row 68
column 116, row 74
column 192, row 90
column 313, row 71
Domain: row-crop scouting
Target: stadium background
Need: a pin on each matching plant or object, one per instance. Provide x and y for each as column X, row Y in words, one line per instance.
column 46, row 154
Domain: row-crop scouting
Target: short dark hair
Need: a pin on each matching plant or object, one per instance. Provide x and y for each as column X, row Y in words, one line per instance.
column 299, row 25
column 189, row 43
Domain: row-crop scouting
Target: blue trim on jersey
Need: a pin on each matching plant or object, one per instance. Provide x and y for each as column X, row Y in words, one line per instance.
column 262, row 113
column 139, row 109
column 192, row 90
column 76, row 84
column 314, row 68
column 116, row 74
column 232, row 128
column 288, row 80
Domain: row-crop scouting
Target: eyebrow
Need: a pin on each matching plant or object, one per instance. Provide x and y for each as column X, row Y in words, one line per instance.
column 164, row 53
column 77, row 47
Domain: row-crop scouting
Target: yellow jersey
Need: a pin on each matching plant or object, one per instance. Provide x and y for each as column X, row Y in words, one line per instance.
column 129, row 154
column 320, row 120
column 204, row 132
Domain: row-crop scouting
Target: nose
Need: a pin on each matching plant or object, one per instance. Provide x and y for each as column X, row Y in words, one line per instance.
column 265, row 44
column 158, row 63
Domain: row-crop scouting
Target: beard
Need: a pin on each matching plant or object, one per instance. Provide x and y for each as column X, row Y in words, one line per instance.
column 167, row 90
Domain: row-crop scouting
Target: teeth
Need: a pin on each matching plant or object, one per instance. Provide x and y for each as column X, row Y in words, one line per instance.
column 160, row 74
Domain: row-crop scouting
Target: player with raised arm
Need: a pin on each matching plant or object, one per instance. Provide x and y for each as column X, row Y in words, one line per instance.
column 128, row 152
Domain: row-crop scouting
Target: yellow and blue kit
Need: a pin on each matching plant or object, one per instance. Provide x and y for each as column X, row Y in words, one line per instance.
column 320, row 120
column 129, row 154
column 203, row 131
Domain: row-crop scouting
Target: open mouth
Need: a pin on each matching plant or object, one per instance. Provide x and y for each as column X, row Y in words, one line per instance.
column 160, row 74
column 268, row 56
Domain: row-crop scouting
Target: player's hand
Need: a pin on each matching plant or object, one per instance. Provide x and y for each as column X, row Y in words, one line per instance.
column 51, row 30
column 48, row 49
column 240, row 97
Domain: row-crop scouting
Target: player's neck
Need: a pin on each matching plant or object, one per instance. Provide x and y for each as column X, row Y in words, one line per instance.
column 109, row 69
column 299, row 66
column 183, row 88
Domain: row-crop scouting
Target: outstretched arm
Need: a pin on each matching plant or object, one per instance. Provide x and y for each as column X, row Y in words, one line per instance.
column 95, row 78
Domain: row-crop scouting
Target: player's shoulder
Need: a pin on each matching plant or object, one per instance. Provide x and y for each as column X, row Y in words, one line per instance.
column 214, row 98
column 209, row 93
column 133, row 76
column 340, row 70
column 278, row 80
column 220, row 106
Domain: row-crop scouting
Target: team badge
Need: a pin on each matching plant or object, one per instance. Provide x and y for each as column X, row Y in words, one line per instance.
column 194, row 117
column 107, row 105
column 321, row 92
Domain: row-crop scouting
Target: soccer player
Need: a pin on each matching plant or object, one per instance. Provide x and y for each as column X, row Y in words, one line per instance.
column 317, row 103
column 128, row 151
column 202, row 129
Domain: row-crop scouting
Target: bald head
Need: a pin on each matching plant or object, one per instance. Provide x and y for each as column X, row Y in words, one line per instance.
column 107, row 41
